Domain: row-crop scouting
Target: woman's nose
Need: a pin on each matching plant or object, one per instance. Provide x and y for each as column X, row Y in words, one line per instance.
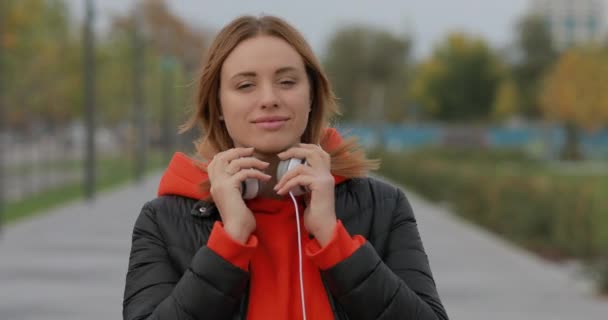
column 269, row 97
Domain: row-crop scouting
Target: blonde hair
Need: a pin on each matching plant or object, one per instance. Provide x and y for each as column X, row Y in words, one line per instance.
column 348, row 159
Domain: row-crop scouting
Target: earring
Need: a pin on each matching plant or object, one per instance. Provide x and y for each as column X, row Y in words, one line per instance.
column 221, row 118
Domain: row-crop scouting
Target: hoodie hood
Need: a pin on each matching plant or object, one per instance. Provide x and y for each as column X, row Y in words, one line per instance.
column 183, row 176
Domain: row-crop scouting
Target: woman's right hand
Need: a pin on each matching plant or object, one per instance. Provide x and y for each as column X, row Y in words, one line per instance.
column 227, row 171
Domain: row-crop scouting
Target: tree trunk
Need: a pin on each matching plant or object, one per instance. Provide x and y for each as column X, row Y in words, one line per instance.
column 572, row 150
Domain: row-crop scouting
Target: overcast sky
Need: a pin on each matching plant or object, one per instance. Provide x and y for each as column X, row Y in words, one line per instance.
column 428, row 20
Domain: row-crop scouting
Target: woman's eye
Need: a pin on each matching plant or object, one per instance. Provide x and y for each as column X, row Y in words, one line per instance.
column 245, row 86
column 287, row 83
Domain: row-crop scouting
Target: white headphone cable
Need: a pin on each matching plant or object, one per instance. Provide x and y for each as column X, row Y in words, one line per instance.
column 295, row 205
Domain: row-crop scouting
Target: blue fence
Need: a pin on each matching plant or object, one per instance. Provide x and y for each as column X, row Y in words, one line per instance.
column 543, row 142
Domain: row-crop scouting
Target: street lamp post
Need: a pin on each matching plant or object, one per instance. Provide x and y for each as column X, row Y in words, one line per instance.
column 138, row 98
column 89, row 101
column 168, row 69
column 2, row 118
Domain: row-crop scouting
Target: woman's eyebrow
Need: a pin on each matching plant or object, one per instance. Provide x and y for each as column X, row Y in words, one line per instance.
column 285, row 70
column 249, row 74
column 244, row 74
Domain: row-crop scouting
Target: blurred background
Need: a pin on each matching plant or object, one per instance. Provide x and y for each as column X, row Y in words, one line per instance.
column 496, row 111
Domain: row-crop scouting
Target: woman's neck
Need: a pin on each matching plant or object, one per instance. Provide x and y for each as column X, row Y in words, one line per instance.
column 267, row 187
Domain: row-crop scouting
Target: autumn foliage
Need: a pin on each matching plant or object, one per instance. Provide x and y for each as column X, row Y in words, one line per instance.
column 576, row 90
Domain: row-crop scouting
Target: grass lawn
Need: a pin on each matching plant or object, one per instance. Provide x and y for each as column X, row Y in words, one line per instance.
column 111, row 172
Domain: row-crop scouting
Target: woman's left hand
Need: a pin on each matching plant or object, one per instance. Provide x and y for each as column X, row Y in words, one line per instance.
column 320, row 214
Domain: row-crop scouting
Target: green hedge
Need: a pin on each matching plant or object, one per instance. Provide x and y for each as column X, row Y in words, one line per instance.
column 553, row 214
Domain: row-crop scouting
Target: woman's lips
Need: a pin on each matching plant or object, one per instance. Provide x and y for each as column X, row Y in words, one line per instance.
column 271, row 124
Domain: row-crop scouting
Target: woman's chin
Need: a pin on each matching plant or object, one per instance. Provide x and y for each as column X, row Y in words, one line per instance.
column 272, row 149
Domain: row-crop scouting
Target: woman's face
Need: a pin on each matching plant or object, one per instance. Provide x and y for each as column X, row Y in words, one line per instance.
column 265, row 95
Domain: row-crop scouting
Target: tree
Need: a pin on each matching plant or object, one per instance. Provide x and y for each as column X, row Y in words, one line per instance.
column 459, row 81
column 114, row 60
column 507, row 100
column 536, row 55
column 575, row 93
column 43, row 60
column 44, row 81
column 166, row 38
column 363, row 61
column 166, row 33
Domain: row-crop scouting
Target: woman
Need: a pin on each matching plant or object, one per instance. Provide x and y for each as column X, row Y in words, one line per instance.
column 202, row 251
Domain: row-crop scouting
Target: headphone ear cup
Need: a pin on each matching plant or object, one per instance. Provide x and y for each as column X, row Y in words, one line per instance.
column 250, row 188
column 287, row 165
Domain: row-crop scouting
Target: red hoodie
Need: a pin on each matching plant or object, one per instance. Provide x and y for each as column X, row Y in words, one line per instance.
column 271, row 252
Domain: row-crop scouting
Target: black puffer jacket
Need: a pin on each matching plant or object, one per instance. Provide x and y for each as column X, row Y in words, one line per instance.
column 171, row 276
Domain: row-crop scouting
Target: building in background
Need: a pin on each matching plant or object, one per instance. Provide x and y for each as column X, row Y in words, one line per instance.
column 573, row 22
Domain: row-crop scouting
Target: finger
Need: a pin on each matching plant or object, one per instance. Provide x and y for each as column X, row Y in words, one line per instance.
column 314, row 156
column 295, row 152
column 301, row 180
column 310, row 146
column 244, row 163
column 251, row 174
column 234, row 153
column 316, row 149
column 299, row 170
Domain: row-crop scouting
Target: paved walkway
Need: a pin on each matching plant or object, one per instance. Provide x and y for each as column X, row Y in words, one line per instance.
column 71, row 264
